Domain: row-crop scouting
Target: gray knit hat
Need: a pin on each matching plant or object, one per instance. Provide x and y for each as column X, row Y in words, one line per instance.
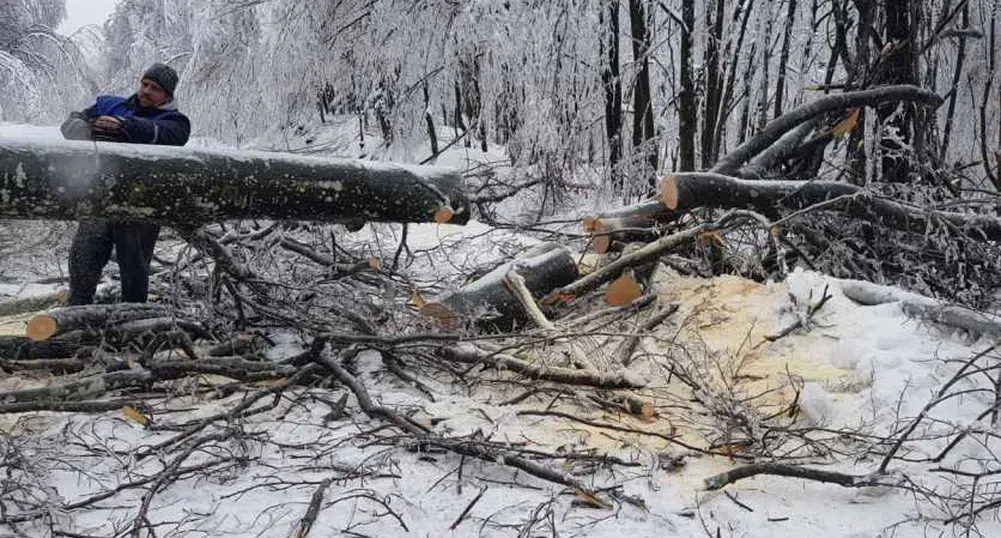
column 164, row 76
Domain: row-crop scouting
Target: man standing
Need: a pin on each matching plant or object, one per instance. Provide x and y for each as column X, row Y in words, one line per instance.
column 149, row 116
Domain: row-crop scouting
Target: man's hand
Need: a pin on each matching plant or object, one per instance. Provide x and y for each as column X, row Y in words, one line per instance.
column 108, row 124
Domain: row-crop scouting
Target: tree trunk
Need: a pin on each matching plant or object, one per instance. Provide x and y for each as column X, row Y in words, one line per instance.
column 954, row 88
column 65, row 180
column 430, row 122
column 714, row 83
column 784, row 58
column 687, row 120
column 611, row 80
column 642, row 105
column 899, row 69
column 743, row 12
column 488, row 303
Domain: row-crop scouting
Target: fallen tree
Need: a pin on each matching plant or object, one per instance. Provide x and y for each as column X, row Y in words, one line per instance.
column 65, row 180
column 691, row 190
column 777, row 128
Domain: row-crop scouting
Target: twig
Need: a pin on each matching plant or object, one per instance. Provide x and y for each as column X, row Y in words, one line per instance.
column 315, row 503
column 469, row 507
column 733, row 498
column 626, row 348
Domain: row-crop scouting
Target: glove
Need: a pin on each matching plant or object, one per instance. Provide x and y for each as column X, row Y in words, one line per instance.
column 76, row 129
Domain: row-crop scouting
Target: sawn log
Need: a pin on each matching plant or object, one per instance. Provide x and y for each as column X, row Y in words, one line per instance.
column 64, row 180
column 486, row 301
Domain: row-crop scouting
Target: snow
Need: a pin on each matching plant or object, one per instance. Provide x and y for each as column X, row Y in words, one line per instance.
column 859, row 363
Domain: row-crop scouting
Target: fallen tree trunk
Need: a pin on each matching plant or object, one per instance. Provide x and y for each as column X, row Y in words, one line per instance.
column 652, row 211
column 731, row 163
column 90, row 387
column 686, row 191
column 65, row 180
column 487, row 301
column 919, row 306
column 94, row 317
column 613, row 233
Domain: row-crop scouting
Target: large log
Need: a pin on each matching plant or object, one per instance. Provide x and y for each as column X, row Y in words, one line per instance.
column 95, row 317
column 690, row 190
column 488, row 302
column 64, row 180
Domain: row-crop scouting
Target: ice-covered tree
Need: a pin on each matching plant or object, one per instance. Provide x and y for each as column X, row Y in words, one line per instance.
column 42, row 74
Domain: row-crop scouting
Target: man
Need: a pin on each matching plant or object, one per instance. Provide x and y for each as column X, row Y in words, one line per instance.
column 149, row 116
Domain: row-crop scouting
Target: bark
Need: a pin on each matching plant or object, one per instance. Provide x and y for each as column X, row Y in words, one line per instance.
column 686, row 111
column 634, row 282
column 488, row 303
column 64, row 180
column 775, row 129
column 683, row 192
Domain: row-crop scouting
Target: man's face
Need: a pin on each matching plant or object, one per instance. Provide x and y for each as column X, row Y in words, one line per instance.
column 151, row 95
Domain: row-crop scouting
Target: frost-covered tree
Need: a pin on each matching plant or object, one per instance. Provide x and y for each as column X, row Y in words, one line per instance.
column 42, row 74
column 141, row 32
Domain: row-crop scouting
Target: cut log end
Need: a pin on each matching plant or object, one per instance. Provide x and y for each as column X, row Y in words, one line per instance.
column 375, row 264
column 42, row 327
column 603, row 242
column 589, row 224
column 436, row 310
column 445, row 318
column 444, row 215
column 623, row 291
column 669, row 192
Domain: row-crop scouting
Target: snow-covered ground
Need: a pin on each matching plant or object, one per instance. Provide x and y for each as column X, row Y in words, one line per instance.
column 858, row 374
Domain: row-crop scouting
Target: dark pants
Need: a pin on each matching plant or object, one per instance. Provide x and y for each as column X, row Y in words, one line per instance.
column 91, row 250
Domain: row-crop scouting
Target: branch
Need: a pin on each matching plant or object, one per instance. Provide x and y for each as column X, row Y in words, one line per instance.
column 780, row 469
column 605, row 380
column 730, row 163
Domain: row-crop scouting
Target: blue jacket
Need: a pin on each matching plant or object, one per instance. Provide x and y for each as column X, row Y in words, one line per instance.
column 164, row 125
